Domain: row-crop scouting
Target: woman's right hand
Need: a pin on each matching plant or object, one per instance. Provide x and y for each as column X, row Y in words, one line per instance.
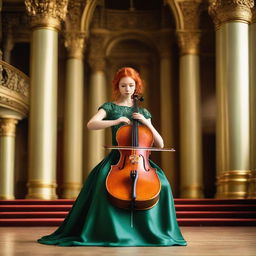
column 123, row 119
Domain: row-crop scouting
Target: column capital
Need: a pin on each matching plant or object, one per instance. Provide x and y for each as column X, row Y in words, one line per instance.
column 188, row 21
column 190, row 12
column 254, row 14
column 97, row 64
column 8, row 126
column 231, row 10
column 189, row 41
column 74, row 14
column 74, row 35
column 75, row 44
column 46, row 13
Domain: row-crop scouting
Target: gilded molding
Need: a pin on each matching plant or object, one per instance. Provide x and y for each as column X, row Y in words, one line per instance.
column 40, row 184
column 189, row 42
column 230, row 10
column 12, row 104
column 46, row 13
column 8, row 127
column 75, row 44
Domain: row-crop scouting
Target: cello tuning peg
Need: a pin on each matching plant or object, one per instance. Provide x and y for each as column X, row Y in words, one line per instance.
column 137, row 97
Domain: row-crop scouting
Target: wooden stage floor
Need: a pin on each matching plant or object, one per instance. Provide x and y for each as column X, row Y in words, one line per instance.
column 202, row 241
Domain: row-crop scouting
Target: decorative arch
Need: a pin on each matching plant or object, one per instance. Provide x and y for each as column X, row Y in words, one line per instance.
column 144, row 38
column 178, row 16
column 87, row 15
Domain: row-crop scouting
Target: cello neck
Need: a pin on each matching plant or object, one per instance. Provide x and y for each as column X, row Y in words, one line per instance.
column 135, row 124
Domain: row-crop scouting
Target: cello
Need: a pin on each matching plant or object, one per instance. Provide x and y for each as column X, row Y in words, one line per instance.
column 132, row 183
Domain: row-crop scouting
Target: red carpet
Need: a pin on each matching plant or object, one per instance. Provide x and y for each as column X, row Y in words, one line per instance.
column 190, row 212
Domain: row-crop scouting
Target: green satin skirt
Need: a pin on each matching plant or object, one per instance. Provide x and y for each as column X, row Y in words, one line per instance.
column 94, row 221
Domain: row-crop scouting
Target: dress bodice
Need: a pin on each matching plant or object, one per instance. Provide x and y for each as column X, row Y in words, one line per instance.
column 115, row 111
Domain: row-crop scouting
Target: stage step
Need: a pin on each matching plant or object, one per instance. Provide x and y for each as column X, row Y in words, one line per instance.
column 190, row 212
column 176, row 201
column 180, row 214
column 182, row 222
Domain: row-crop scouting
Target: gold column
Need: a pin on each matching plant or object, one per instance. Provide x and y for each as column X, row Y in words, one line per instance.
column 190, row 116
column 46, row 18
column 96, row 138
column 167, row 158
column 7, row 155
column 232, row 67
column 252, row 50
column 73, row 119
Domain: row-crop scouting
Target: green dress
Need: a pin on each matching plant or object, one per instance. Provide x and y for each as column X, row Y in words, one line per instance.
column 94, row 221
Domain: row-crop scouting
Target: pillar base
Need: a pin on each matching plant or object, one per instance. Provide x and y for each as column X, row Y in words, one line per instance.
column 192, row 192
column 233, row 184
column 7, row 197
column 40, row 190
column 70, row 190
column 252, row 185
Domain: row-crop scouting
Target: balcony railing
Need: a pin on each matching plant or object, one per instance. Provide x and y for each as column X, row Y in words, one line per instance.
column 14, row 89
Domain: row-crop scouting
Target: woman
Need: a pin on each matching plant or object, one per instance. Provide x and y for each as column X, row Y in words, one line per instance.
column 93, row 220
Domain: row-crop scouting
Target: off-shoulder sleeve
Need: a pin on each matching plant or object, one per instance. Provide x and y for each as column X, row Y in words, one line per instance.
column 146, row 113
column 107, row 107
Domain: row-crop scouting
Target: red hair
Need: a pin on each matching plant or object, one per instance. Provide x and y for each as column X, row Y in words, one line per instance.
column 124, row 72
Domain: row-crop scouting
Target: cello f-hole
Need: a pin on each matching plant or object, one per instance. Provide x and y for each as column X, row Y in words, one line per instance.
column 147, row 170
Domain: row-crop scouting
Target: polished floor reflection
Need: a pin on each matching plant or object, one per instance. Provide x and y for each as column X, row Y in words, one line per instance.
column 202, row 241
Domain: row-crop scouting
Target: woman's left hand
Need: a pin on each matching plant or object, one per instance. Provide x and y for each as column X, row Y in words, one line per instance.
column 140, row 117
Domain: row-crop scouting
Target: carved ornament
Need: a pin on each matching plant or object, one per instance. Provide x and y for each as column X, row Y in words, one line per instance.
column 74, row 14
column 231, row 10
column 75, row 44
column 8, row 126
column 46, row 13
column 14, row 88
column 190, row 14
column 189, row 42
